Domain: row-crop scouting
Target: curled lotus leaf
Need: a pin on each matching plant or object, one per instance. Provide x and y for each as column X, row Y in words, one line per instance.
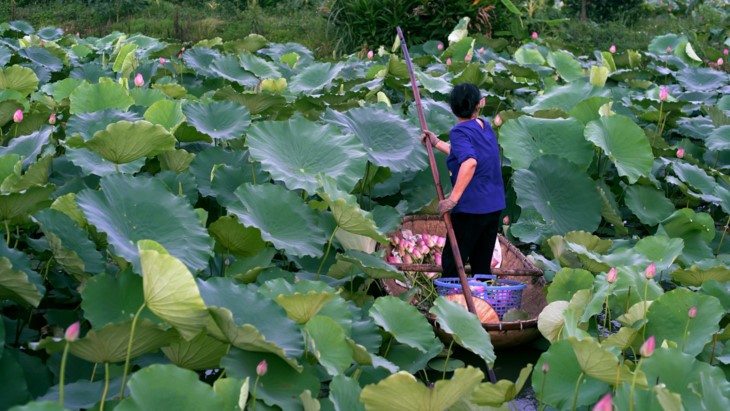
column 18, row 282
column 201, row 353
column 18, row 78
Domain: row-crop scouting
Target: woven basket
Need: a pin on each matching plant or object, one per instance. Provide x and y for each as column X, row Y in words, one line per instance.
column 515, row 266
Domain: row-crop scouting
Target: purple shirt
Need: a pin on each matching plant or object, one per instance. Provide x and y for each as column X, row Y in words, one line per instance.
column 485, row 192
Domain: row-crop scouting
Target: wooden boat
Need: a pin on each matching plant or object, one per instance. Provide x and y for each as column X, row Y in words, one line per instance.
column 515, row 266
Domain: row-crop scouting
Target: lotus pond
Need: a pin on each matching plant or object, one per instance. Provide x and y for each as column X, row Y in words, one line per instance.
column 209, row 217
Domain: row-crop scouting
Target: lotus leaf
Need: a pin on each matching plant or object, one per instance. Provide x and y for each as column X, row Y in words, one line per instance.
column 345, row 394
column 166, row 113
column 402, row 392
column 695, row 229
column 28, row 147
column 20, row 79
column 566, row 66
column 702, row 79
column 297, row 151
column 71, row 246
column 638, row 199
column 527, row 138
column 566, row 97
column 200, row 59
column 259, row 67
column 87, row 124
column 624, row 143
column 328, row 344
column 111, row 299
column 404, row 322
column 603, row 365
column 372, row 266
column 39, row 406
column 696, row 276
column 567, row 282
column 15, row 389
column 464, row 327
column 233, row 391
column 314, row 77
column 92, row 163
column 17, row 205
column 88, row 98
column 224, row 120
column 200, row 353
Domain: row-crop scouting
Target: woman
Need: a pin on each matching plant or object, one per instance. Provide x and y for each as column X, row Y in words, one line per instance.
column 477, row 198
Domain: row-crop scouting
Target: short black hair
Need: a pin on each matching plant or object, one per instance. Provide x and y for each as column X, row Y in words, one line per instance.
column 464, row 99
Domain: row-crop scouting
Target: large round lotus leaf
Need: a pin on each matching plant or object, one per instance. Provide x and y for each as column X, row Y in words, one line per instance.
column 402, row 392
column 719, row 139
column 50, row 33
column 111, row 299
column 668, row 319
column 438, row 115
column 328, row 344
column 695, row 229
column 170, row 291
column 702, row 79
column 229, row 68
column 95, row 97
column 150, row 389
column 5, row 55
column 15, row 206
column 62, row 89
column 200, row 59
column 624, row 143
column 92, row 163
column 565, row 97
column 589, row 109
column 464, row 327
column 42, row 57
column 282, row 217
column 219, row 171
column 200, row 353
column 568, row 67
column 389, row 140
column 124, row 142
column 166, row 113
column 602, row 364
column 30, row 146
column 551, row 320
column 297, row 151
column 407, row 325
column 314, row 78
column 223, row 120
column 152, row 213
column 36, row 175
column 21, row 26
column 345, row 393
column 648, row 203
column 87, row 124
column 38, row 405
column 567, row 282
column 15, row 387
column 659, row 44
column 259, row 67
column 563, row 376
column 91, row 72
column 20, row 79
column 696, row 276
column 564, row 196
column 527, row 138
column 71, row 246
column 146, row 96
column 232, row 237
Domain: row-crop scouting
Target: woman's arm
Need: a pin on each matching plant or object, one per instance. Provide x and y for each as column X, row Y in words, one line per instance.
column 443, row 147
column 466, row 172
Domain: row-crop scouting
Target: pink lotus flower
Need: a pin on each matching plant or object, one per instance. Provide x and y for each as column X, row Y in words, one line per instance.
column 392, row 259
column 650, row 271
column 139, row 80
column 262, row 368
column 72, row 332
column 692, row 312
column 497, row 120
column 448, row 61
column 680, row 153
column 52, row 119
column 440, row 46
column 669, row 49
column 163, row 60
column 467, row 58
column 179, row 55
column 408, row 259
column 441, row 241
column 18, row 116
column 481, row 49
column 395, row 240
column 370, row 55
column 663, row 94
column 534, row 35
column 612, row 49
column 611, row 276
column 505, row 220
column 724, row 52
column 606, row 403
column 545, row 367
column 647, row 349
column 720, row 61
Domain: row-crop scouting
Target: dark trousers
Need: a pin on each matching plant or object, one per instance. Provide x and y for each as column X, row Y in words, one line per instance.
column 475, row 235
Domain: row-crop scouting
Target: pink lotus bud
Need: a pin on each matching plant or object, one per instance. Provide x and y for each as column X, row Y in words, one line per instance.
column 437, row 259
column 534, row 35
column 424, row 249
column 262, row 368
column 720, row 61
column 395, row 240
column 647, row 349
column 680, row 153
column 612, row 49
column 18, row 116
column 467, row 58
column 606, row 404
column 669, row 49
column 72, row 332
column 692, row 312
column 495, row 262
column 448, row 61
column 650, row 271
column 417, row 254
column 663, row 94
column 440, row 46
column 52, row 119
column 441, row 241
column 391, row 259
column 408, row 259
column 724, row 52
column 139, row 80
column 77, row 34
column 505, row 220
column 182, row 49
column 481, row 49
column 41, row 43
column 611, row 276
column 370, row 55
column 545, row 367
column 179, row 55
column 163, row 60
column 497, row 120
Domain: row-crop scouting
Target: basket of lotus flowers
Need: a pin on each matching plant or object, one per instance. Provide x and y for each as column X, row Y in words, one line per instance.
column 508, row 301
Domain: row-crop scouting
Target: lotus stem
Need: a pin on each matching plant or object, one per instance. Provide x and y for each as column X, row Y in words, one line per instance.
column 7, row 233
column 659, row 124
column 326, row 253
column 106, row 386
column 633, row 384
column 129, row 350
column 575, row 391
column 62, row 378
column 253, row 395
column 253, row 173
column 724, row 231
column 448, row 356
column 542, row 391
column 116, row 167
column 684, row 336
column 605, row 318
column 643, row 331
column 714, row 343
column 93, row 372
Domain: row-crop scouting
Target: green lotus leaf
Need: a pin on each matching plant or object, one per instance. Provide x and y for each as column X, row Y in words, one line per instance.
column 111, row 299
column 373, row 266
column 200, row 59
column 314, row 77
column 301, row 307
column 39, row 406
column 404, row 322
column 623, row 339
column 698, row 179
column 18, row 78
column 695, row 276
column 659, row 249
column 166, row 113
column 438, row 115
column 566, row 97
column 88, row 98
column 402, row 392
column 659, row 44
column 345, row 393
column 259, row 67
column 146, row 97
column 571, row 248
column 171, row 90
column 282, row 217
column 550, row 322
column 494, row 395
column 389, row 140
column 328, row 344
column 87, row 124
column 528, row 55
column 434, row 84
column 563, row 376
column 648, row 203
column 624, row 143
column 229, row 68
column 251, row 321
column 150, row 388
column 568, row 67
column 92, row 163
column 224, row 120
column 668, row 320
column 603, row 365
column 30, row 146
column 208, row 164
column 14, row 206
column 702, row 79
column 695, row 229
column 125, row 60
column 42, row 57
column 177, row 161
column 233, row 392
column 71, row 246
column 236, row 239
column 124, row 141
column 527, row 138
column 18, row 283
column 563, row 195
column 279, row 386
column 247, row 270
column 610, row 209
column 589, row 109
column 567, row 282
column 347, row 212
column 464, row 327
column 200, row 353
column 170, row 291
column 50, row 33
column 15, row 387
column 36, row 175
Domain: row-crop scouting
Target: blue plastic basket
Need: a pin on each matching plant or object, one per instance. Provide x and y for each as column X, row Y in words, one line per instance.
column 503, row 297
